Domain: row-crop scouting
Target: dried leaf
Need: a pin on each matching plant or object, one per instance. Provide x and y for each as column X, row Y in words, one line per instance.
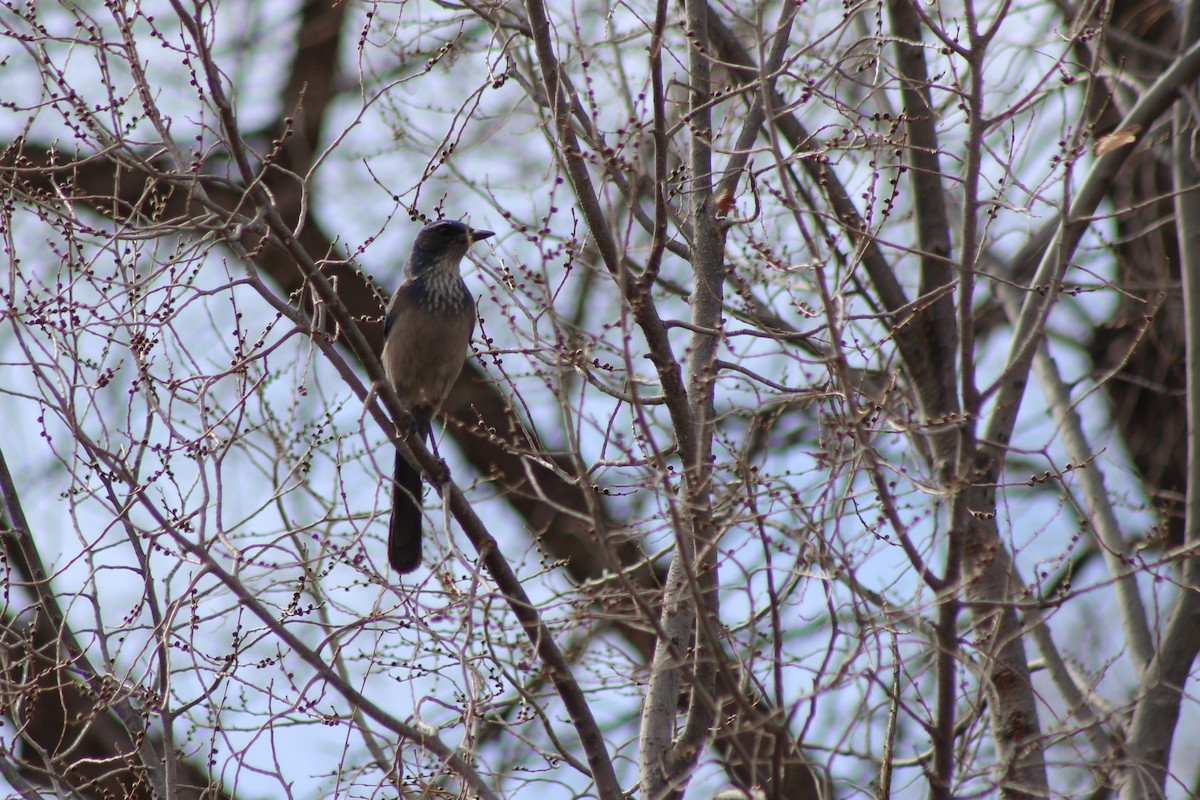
column 724, row 202
column 1116, row 139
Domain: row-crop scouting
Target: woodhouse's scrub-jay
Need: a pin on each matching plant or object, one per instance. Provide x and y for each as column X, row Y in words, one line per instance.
column 426, row 333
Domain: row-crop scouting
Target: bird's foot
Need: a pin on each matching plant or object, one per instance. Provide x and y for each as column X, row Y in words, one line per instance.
column 441, row 475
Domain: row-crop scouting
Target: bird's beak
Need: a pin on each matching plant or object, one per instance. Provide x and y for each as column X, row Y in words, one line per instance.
column 478, row 235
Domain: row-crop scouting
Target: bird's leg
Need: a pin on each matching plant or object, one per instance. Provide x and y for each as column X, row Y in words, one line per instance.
column 442, row 476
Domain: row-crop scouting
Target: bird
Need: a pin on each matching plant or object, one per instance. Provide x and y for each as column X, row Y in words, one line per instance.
column 426, row 333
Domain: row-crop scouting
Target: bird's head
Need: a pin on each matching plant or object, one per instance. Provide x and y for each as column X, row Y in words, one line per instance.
column 442, row 244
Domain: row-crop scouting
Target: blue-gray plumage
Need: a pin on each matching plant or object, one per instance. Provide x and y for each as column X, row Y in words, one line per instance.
column 426, row 333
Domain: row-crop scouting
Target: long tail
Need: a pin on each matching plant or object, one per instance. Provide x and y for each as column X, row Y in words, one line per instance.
column 404, row 531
